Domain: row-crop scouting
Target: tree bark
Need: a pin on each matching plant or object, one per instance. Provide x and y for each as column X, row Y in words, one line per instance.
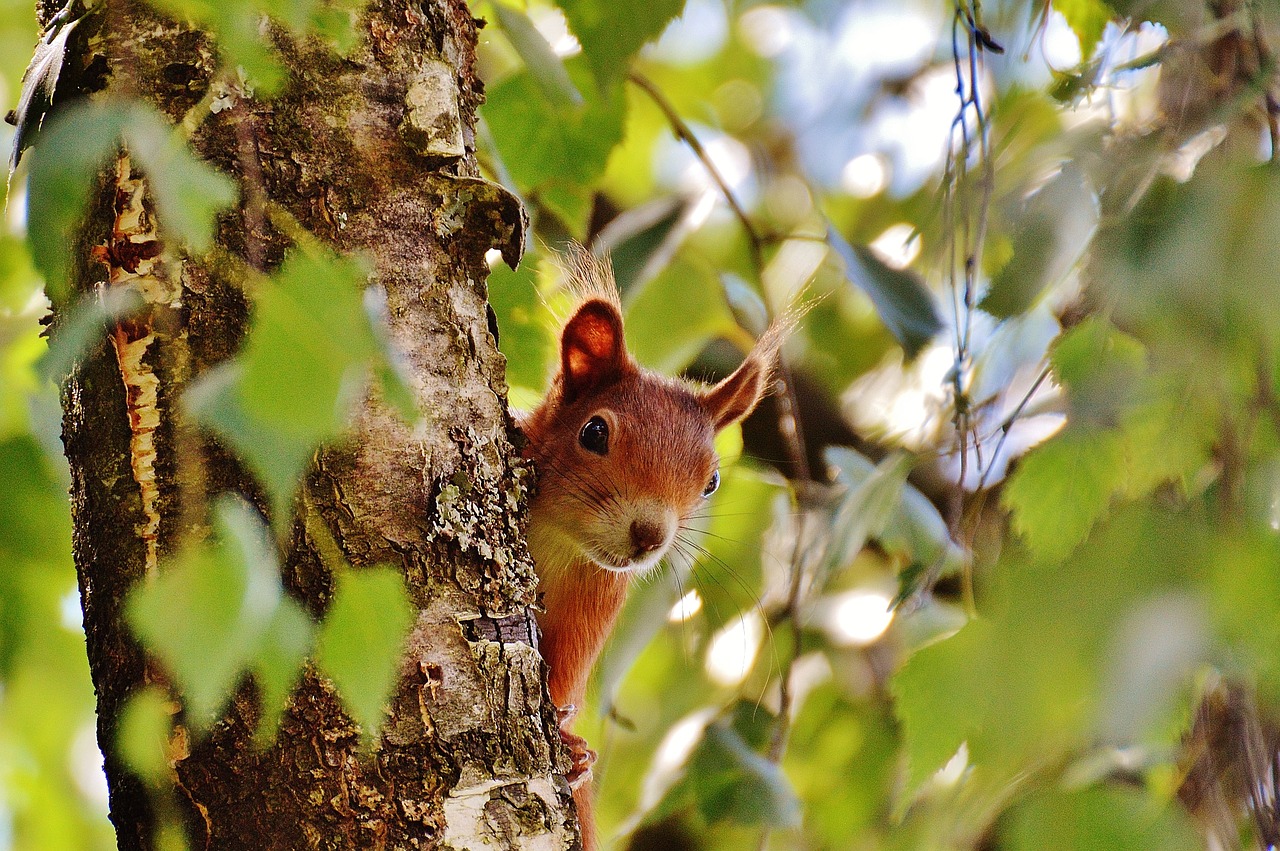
column 372, row 153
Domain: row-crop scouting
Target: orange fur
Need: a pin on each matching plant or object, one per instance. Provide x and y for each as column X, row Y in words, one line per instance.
column 599, row 519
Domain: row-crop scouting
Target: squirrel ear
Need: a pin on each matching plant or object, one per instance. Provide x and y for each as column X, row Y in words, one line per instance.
column 592, row 351
column 738, row 395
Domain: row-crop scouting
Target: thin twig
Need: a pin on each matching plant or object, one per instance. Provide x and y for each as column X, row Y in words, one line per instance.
column 685, row 134
column 1007, row 424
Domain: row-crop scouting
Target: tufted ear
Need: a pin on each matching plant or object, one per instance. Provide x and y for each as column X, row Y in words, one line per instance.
column 738, row 395
column 592, row 350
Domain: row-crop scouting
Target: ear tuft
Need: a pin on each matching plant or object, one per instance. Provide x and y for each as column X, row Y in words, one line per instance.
column 737, row 396
column 592, row 351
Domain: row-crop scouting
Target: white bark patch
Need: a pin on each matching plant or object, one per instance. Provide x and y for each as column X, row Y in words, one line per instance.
column 473, row 823
column 133, row 258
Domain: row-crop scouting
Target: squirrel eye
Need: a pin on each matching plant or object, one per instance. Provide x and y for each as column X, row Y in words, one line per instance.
column 712, row 485
column 594, row 436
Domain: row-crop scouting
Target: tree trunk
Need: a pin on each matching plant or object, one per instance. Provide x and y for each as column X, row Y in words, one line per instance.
column 373, row 154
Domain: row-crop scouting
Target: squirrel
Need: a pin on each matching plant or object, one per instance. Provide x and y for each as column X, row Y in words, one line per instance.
column 623, row 456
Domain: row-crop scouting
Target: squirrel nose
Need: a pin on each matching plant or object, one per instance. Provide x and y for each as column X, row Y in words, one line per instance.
column 647, row 537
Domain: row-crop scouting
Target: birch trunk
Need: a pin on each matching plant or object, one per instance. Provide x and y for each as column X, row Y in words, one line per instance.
column 373, row 154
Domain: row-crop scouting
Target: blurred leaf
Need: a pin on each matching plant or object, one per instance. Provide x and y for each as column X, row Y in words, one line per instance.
column 872, row 497
column 84, row 327
column 610, row 39
column 307, row 359
column 217, row 610
column 243, row 42
column 1087, row 19
column 143, row 737
column 278, row 459
column 278, row 664
column 307, row 355
column 727, row 779
column 641, row 241
column 188, row 192
column 75, row 145
column 673, row 317
column 1100, row 366
column 523, row 337
column 1053, row 230
column 1169, row 431
column 555, row 154
column 544, row 66
column 904, row 303
column 1063, row 487
column 941, row 698
column 362, row 640
column 1100, row 818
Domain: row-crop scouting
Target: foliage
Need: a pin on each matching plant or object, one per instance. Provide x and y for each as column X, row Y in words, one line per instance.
column 1048, row 317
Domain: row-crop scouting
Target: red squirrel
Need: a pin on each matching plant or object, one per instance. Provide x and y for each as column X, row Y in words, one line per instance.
column 623, row 456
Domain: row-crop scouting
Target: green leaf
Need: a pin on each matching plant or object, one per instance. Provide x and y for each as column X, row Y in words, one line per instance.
column 1063, row 487
column 670, row 320
column 1101, row 368
column 726, row 777
column 553, row 154
column 873, row 495
column 1053, row 230
column 83, row 328
column 544, row 66
column 142, row 738
column 1100, row 818
column 73, row 146
column 940, row 696
column 523, row 337
column 610, row 34
column 78, row 141
column 278, row 459
column 243, row 42
column 307, row 359
column 217, row 610
column 308, row 351
column 362, row 639
column 189, row 193
column 1087, row 19
column 901, row 299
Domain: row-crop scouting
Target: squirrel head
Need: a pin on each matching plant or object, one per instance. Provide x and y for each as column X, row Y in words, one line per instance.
column 624, row 455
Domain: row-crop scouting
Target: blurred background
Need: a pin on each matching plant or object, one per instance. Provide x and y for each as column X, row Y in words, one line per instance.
column 998, row 565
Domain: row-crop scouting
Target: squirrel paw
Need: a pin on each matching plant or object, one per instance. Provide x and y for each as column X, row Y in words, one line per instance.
column 583, row 758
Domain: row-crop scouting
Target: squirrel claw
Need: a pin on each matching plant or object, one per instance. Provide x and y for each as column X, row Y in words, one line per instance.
column 582, row 758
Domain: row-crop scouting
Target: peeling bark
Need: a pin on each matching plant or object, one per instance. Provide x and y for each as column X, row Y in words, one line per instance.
column 374, row 154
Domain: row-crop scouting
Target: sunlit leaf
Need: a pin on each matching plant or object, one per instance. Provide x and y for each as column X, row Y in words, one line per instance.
column 673, row 317
column 1087, row 19
column 1063, row 487
column 277, row 458
column 523, row 337
column 872, row 498
column 608, row 39
column 550, row 152
column 901, row 298
column 362, row 638
column 307, row 355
